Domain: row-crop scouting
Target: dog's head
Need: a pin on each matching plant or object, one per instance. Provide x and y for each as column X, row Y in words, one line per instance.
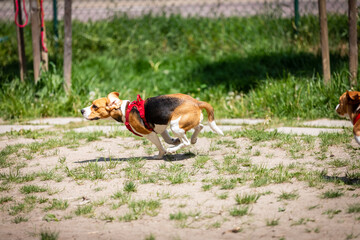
column 348, row 103
column 104, row 108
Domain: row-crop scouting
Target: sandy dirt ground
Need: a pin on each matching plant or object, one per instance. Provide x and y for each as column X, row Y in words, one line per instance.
column 105, row 186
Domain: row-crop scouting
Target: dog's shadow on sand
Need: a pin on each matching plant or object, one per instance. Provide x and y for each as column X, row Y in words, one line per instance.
column 346, row 180
column 168, row 158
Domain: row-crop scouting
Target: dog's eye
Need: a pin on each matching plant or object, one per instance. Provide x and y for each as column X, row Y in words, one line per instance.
column 94, row 106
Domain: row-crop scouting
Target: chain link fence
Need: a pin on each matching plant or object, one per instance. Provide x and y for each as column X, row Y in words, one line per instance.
column 86, row 10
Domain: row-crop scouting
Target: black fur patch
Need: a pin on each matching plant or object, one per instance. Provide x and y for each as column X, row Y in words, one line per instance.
column 158, row 109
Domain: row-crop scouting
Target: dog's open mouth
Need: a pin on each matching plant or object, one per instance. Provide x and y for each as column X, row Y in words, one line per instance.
column 93, row 119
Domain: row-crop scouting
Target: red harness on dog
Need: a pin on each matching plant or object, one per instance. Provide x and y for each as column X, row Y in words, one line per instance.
column 356, row 119
column 139, row 105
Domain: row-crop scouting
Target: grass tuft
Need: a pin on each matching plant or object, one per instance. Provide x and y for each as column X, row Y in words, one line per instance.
column 354, row 208
column 32, row 189
column 49, row 235
column 84, row 210
column 288, row 196
column 272, row 222
column 246, row 198
column 239, row 211
column 130, row 187
column 332, row 194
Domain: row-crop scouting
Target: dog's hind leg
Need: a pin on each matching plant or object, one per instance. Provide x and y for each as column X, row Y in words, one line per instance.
column 181, row 134
column 155, row 140
column 196, row 133
column 168, row 139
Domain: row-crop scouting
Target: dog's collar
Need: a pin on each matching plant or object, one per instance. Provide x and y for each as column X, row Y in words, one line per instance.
column 356, row 119
column 123, row 108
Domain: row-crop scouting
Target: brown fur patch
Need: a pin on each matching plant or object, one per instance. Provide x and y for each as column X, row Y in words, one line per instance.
column 99, row 112
column 135, row 122
column 190, row 114
column 348, row 103
column 190, row 111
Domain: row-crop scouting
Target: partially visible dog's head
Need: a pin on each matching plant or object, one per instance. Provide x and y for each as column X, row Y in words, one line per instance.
column 348, row 103
column 104, row 108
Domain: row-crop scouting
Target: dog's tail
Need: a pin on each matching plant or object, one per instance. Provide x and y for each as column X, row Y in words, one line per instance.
column 210, row 111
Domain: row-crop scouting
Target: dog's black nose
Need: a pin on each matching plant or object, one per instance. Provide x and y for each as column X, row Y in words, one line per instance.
column 82, row 111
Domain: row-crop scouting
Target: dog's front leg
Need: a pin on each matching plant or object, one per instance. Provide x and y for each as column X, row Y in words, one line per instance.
column 155, row 140
column 168, row 139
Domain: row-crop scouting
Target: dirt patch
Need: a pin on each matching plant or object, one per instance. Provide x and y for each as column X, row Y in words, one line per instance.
column 233, row 187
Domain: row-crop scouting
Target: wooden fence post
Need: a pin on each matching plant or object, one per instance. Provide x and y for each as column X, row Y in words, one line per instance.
column 36, row 38
column 67, row 46
column 44, row 54
column 297, row 16
column 353, row 47
column 324, row 41
column 20, row 42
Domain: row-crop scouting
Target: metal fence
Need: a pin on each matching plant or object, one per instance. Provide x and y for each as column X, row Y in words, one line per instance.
column 85, row 10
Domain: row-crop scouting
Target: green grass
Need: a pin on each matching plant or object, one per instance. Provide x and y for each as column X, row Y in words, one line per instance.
column 27, row 189
column 5, row 199
column 332, row 212
column 339, row 163
column 239, row 211
column 133, row 171
column 302, row 221
column 57, row 204
column 150, row 237
column 84, row 210
column 223, row 196
column 49, row 235
column 90, row 170
column 122, row 197
column 148, row 207
column 16, row 176
column 6, row 152
column 206, row 187
column 200, row 161
column 230, row 165
column 330, row 139
column 354, row 208
column 50, row 217
column 175, row 173
column 178, row 216
column 140, row 208
column 332, row 194
column 246, row 198
column 288, row 196
column 241, row 65
column 20, row 219
column 17, row 208
column 130, row 187
column 182, row 216
column 272, row 222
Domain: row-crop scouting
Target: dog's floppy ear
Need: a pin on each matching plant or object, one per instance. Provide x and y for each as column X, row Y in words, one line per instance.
column 353, row 97
column 114, row 101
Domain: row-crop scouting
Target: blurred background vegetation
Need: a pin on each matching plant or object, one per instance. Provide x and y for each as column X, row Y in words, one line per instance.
column 252, row 66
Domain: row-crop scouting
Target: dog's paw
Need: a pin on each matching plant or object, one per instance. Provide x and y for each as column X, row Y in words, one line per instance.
column 175, row 141
column 193, row 140
column 171, row 150
column 158, row 157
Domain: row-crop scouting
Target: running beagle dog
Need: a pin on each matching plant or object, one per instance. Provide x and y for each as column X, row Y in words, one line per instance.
column 152, row 116
column 349, row 106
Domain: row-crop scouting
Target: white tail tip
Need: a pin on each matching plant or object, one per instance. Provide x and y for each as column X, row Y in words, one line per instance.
column 215, row 128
